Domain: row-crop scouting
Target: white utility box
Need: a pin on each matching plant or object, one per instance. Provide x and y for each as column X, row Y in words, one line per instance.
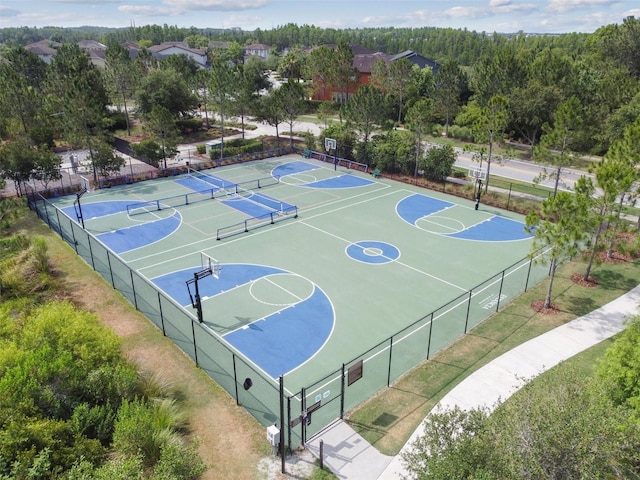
column 273, row 435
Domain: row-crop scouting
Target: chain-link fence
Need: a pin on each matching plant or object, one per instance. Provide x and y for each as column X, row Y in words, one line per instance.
column 326, row 399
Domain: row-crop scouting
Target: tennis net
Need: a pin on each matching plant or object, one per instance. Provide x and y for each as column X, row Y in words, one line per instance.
column 210, row 179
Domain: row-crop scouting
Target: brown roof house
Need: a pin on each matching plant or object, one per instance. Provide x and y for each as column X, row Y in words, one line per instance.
column 44, row 49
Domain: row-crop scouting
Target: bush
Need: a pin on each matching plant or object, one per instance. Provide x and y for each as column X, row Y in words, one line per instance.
column 238, row 146
column 188, row 125
column 461, row 133
column 201, row 148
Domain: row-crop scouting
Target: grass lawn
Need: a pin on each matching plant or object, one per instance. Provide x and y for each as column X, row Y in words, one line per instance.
column 410, row 399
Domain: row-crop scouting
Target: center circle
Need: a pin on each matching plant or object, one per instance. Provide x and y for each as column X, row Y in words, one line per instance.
column 374, row 252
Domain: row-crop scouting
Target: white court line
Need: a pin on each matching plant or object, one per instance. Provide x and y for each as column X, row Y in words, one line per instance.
column 261, row 231
column 282, row 288
column 394, row 261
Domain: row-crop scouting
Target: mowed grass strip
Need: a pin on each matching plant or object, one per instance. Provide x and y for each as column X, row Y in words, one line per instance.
column 388, row 419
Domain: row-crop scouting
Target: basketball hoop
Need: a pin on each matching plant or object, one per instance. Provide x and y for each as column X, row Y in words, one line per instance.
column 330, row 144
column 477, row 174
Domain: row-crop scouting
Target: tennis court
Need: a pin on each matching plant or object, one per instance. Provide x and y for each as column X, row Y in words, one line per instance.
column 318, row 274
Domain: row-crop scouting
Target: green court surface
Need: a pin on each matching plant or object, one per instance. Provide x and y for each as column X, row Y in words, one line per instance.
column 340, row 263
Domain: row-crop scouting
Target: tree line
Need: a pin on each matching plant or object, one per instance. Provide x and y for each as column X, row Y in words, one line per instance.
column 561, row 95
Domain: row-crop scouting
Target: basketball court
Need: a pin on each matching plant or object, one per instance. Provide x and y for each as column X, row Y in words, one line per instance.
column 300, row 266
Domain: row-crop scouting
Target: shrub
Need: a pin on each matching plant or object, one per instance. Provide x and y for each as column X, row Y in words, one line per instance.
column 188, row 125
column 201, row 148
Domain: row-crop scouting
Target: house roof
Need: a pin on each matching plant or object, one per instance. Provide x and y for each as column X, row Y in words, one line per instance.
column 257, row 46
column 45, row 43
column 40, row 49
column 166, row 45
column 91, row 45
column 417, row 59
column 364, row 62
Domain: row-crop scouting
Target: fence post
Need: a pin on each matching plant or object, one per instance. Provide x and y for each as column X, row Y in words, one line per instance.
column 526, row 283
column 429, row 341
column 281, row 381
column 321, row 455
column 466, row 321
column 113, row 284
column 133, row 290
column 342, row 392
column 390, row 356
column 161, row 315
column 235, row 377
column 500, row 292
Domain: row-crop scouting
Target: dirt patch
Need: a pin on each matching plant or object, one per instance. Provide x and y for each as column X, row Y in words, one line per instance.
column 615, row 257
column 578, row 279
column 538, row 306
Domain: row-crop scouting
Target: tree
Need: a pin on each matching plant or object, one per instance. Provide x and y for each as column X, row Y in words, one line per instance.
column 292, row 65
column 419, row 120
column 559, row 230
column 394, row 152
column 47, row 166
column 449, row 83
column 557, row 141
column 105, row 160
column 252, row 79
column 490, row 125
column 343, row 73
column 438, row 163
column 531, row 107
column 364, row 111
column 271, row 111
column 166, row 88
column 621, row 367
column 78, row 96
column 22, row 103
column 318, row 68
column 121, row 77
column 560, row 426
column 161, row 125
column 624, row 154
column 18, row 160
column 222, row 88
column 291, row 96
column 394, row 79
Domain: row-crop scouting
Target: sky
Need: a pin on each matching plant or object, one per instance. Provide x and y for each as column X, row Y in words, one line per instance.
column 503, row 16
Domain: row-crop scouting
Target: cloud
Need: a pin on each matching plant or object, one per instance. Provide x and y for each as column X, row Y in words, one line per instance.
column 181, row 7
column 8, row 12
column 562, row 6
column 495, row 7
column 146, row 10
column 499, row 3
column 216, row 5
column 85, row 2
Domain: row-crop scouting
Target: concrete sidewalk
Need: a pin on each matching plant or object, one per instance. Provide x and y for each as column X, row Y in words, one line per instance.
column 350, row 457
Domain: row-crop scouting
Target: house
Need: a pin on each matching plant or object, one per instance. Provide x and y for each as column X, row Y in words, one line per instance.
column 363, row 61
column 166, row 49
column 44, row 49
column 258, row 50
column 96, row 51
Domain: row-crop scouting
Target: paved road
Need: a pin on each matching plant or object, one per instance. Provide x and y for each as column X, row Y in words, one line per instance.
column 520, row 170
